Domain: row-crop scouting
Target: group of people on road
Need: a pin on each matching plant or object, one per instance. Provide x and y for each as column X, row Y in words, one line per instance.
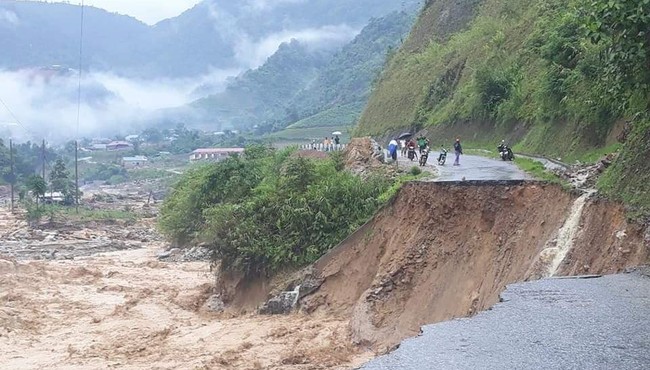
column 328, row 144
column 422, row 143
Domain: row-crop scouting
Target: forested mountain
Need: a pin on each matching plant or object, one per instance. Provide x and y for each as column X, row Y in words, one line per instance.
column 44, row 34
column 299, row 81
column 345, row 83
column 263, row 93
column 215, row 34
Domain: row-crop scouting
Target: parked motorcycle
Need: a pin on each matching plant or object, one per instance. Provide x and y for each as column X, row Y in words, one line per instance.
column 442, row 158
column 424, row 157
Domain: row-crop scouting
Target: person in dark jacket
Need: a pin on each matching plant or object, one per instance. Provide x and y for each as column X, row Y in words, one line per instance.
column 459, row 150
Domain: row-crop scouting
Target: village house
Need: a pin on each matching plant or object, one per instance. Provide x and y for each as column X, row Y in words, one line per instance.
column 214, row 154
column 119, row 145
column 134, row 162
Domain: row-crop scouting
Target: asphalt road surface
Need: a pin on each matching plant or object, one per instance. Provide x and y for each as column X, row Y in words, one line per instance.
column 471, row 168
column 596, row 323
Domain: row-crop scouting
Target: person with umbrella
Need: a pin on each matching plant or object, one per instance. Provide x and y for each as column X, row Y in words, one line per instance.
column 337, row 140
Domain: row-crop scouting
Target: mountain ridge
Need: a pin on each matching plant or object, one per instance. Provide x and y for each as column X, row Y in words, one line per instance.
column 213, row 34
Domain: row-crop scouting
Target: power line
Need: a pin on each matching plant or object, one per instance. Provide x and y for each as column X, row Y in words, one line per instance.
column 81, row 44
column 13, row 116
column 76, row 142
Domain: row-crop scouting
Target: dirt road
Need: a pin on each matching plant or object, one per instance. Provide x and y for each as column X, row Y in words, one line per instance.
column 127, row 310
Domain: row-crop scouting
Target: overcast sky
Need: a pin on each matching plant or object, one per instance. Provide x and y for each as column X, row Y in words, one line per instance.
column 148, row 11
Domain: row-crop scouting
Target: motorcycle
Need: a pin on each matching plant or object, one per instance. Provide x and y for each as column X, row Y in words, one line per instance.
column 411, row 153
column 506, row 153
column 442, row 158
column 424, row 157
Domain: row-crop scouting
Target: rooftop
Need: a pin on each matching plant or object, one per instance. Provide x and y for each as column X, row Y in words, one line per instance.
column 218, row 150
column 135, row 159
column 119, row 143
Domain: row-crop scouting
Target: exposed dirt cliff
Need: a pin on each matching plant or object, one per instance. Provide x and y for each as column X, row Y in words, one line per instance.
column 446, row 250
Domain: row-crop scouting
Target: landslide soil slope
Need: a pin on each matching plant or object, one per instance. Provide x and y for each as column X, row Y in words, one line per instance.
column 447, row 250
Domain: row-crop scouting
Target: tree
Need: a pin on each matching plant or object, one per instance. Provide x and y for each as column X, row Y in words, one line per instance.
column 70, row 147
column 136, row 147
column 623, row 29
column 5, row 163
column 60, row 181
column 37, row 185
column 152, row 135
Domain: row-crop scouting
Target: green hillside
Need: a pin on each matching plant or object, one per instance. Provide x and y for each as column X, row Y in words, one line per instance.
column 313, row 86
column 341, row 115
column 263, row 93
column 348, row 77
column 554, row 77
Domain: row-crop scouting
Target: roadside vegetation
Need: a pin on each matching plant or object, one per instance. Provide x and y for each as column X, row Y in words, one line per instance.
column 270, row 210
column 537, row 170
column 558, row 78
column 57, row 213
column 520, row 62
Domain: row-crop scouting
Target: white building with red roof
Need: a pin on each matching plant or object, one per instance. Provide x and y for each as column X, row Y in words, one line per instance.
column 215, row 154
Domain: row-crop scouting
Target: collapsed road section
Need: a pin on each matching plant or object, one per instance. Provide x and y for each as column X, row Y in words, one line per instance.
column 582, row 323
column 446, row 250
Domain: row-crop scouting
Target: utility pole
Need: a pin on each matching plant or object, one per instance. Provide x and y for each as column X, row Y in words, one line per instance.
column 13, row 175
column 76, row 173
column 43, row 154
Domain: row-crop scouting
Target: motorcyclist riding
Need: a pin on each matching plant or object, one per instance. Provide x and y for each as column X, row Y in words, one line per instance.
column 504, row 151
column 424, row 156
column 411, row 151
column 422, row 143
column 502, row 146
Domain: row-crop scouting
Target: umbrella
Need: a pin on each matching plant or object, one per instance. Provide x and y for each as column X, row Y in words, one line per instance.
column 405, row 135
column 337, row 133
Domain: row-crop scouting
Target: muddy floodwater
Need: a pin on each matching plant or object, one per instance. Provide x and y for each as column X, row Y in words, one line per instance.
column 128, row 310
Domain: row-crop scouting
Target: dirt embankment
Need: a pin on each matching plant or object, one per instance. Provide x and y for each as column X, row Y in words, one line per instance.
column 442, row 251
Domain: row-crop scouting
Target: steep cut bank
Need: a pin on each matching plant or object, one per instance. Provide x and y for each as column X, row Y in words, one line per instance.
column 447, row 250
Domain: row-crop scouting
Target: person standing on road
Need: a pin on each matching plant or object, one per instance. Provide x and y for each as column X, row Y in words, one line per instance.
column 402, row 144
column 392, row 150
column 459, row 150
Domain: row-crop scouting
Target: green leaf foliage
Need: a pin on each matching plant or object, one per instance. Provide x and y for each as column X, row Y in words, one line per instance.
column 562, row 73
column 269, row 210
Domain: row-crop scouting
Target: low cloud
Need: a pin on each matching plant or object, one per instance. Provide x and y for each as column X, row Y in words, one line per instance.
column 8, row 18
column 251, row 52
column 46, row 104
column 260, row 5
